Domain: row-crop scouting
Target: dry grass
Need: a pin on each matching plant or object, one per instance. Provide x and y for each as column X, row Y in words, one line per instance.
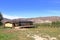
column 21, row 34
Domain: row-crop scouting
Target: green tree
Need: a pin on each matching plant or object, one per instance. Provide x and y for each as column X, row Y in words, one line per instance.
column 1, row 17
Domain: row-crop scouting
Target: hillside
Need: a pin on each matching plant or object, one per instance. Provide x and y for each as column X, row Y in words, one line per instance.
column 38, row 19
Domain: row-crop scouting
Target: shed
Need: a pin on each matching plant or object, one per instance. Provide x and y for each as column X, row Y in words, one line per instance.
column 26, row 24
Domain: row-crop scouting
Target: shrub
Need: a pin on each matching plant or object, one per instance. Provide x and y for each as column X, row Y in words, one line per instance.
column 56, row 24
column 1, row 23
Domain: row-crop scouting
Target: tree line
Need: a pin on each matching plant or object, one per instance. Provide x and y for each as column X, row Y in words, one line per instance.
column 53, row 24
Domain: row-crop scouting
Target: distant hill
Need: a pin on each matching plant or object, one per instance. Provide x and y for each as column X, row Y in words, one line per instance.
column 45, row 19
column 38, row 19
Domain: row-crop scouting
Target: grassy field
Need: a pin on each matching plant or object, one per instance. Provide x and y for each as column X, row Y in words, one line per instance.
column 23, row 34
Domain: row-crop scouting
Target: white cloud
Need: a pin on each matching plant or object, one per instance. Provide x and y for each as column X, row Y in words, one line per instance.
column 11, row 17
column 54, row 11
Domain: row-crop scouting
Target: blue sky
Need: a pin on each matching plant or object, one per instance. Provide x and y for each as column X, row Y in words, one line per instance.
column 29, row 8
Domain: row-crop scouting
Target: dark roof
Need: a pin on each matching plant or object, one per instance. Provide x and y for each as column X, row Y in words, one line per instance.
column 26, row 21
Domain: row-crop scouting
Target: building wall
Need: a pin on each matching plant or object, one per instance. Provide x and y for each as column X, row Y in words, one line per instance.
column 8, row 25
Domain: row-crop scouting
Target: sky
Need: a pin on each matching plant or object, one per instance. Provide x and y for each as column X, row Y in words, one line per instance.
column 29, row 8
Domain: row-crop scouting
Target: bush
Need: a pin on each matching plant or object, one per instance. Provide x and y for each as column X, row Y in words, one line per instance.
column 1, row 23
column 43, row 25
column 56, row 24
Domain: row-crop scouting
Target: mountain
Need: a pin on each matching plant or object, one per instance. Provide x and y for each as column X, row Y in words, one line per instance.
column 38, row 19
column 45, row 19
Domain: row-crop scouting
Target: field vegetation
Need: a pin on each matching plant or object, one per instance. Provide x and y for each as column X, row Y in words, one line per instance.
column 52, row 30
